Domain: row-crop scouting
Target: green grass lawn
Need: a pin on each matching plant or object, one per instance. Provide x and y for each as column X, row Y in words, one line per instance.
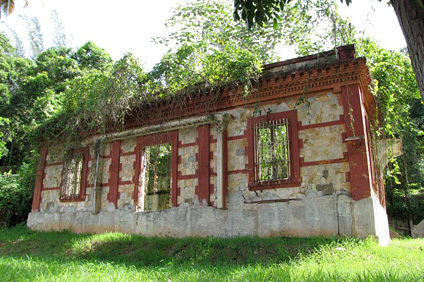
column 62, row 256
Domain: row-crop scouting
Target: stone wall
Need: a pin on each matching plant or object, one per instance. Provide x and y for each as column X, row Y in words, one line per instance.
column 319, row 204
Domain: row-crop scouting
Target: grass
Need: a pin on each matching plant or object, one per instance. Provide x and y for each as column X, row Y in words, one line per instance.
column 26, row 255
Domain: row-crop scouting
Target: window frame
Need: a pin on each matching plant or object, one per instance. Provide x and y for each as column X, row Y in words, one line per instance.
column 294, row 174
column 84, row 152
column 145, row 169
column 171, row 138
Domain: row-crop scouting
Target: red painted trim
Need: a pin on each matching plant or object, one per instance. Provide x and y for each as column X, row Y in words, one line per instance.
column 122, row 154
column 187, row 176
column 175, row 191
column 301, row 144
column 238, row 171
column 52, row 188
column 322, row 124
column 225, row 167
column 39, row 176
column 128, row 182
column 113, row 194
column 358, row 164
column 203, row 164
column 236, row 137
column 53, row 164
column 250, row 150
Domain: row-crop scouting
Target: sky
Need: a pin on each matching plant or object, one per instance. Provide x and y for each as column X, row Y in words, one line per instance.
column 128, row 25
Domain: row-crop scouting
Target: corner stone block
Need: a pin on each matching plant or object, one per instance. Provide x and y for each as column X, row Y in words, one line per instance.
column 370, row 218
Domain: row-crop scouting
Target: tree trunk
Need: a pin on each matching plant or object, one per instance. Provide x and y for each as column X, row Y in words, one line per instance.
column 410, row 14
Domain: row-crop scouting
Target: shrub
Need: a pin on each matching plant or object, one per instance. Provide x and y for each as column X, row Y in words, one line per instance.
column 16, row 195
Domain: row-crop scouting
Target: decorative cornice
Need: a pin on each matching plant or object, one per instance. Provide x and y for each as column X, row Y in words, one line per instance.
column 270, row 87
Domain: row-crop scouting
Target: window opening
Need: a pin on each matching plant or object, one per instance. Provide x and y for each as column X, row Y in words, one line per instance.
column 71, row 186
column 156, row 178
column 272, row 154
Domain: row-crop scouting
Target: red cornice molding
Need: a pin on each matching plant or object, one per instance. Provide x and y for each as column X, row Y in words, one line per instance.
column 271, row 87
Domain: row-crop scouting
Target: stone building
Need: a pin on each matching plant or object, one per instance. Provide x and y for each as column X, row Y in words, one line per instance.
column 297, row 157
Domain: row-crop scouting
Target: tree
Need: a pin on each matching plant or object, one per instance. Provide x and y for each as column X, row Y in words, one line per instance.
column 89, row 56
column 8, row 6
column 211, row 48
column 410, row 14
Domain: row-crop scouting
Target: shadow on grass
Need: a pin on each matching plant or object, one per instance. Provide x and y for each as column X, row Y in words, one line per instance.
column 142, row 251
column 27, row 255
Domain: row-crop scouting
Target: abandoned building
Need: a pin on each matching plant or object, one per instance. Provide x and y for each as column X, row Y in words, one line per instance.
column 297, row 157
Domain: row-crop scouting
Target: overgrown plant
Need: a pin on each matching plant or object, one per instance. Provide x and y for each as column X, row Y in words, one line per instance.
column 210, row 51
column 16, row 194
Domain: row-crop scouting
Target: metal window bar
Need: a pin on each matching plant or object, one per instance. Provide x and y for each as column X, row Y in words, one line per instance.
column 71, row 187
column 272, row 154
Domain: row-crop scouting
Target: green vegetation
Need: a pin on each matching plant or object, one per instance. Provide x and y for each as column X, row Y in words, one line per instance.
column 61, row 256
column 63, row 93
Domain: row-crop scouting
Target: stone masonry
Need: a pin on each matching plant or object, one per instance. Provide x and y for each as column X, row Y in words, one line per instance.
column 331, row 190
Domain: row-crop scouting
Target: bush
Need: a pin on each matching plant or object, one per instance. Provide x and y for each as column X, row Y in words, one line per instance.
column 16, row 195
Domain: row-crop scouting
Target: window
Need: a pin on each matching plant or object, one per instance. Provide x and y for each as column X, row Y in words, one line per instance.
column 165, row 147
column 274, row 151
column 272, row 156
column 157, row 177
column 74, row 176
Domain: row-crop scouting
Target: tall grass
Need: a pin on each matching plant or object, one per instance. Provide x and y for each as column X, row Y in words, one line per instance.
column 62, row 256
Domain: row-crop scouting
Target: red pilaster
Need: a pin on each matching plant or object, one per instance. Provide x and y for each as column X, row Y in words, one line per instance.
column 224, row 168
column 360, row 176
column 36, row 200
column 114, row 173
column 203, row 172
column 174, row 168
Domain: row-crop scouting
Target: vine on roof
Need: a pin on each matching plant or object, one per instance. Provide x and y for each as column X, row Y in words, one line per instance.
column 210, row 50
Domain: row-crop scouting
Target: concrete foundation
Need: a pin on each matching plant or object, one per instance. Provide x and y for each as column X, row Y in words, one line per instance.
column 327, row 216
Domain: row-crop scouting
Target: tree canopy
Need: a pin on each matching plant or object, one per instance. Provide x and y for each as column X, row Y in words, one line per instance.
column 410, row 14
